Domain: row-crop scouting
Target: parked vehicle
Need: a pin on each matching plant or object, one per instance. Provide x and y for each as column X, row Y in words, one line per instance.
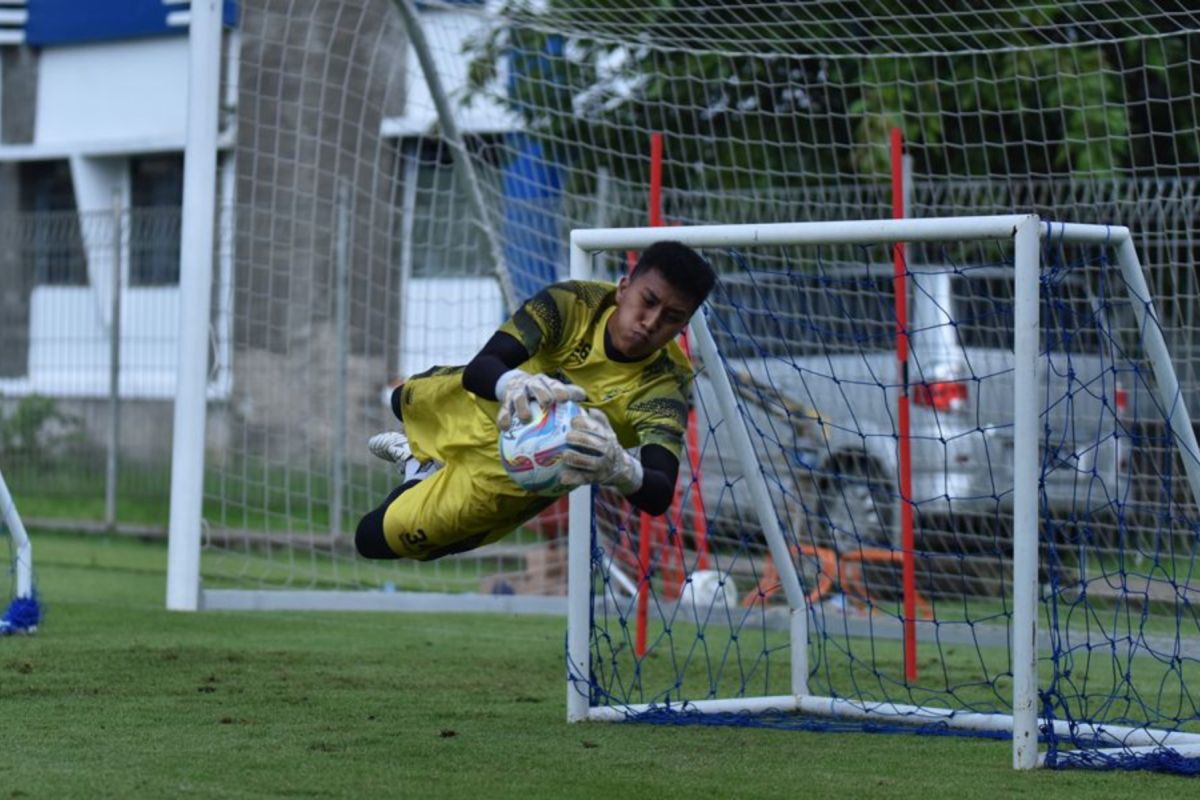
column 826, row 342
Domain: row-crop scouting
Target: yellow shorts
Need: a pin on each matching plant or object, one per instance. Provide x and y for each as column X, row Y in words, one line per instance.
column 468, row 502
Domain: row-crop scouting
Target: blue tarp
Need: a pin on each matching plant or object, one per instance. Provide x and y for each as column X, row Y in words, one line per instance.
column 533, row 246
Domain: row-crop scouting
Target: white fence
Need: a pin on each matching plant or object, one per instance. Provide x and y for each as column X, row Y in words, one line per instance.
column 60, row 408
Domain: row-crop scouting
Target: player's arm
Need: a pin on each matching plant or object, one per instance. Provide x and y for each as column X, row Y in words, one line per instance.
column 660, row 470
column 494, row 373
column 595, row 456
column 501, row 353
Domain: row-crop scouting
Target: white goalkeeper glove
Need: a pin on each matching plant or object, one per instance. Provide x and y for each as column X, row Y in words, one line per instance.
column 595, row 456
column 516, row 388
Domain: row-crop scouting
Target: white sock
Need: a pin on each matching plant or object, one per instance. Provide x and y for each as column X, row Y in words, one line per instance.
column 418, row 471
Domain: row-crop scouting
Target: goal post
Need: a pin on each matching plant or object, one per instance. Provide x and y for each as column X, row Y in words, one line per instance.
column 23, row 612
column 1067, row 368
column 196, row 255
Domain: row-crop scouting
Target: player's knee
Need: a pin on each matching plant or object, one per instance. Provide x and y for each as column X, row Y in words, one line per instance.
column 369, row 539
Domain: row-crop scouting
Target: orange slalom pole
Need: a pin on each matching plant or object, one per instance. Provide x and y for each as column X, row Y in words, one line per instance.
column 907, row 544
column 648, row 527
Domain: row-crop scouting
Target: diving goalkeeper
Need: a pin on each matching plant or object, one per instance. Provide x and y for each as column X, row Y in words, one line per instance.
column 610, row 347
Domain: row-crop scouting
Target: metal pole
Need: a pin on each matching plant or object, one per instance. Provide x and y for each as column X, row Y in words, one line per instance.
column 23, row 564
column 222, row 382
column 408, row 212
column 462, row 159
column 1165, row 379
column 904, row 503
column 341, row 312
column 114, row 370
column 603, row 190
column 195, row 289
column 579, row 570
column 930, row 229
column 1026, row 420
column 714, row 368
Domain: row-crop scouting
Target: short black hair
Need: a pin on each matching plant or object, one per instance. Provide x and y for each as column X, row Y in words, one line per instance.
column 681, row 266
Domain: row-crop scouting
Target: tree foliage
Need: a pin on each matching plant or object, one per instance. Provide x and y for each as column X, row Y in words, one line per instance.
column 754, row 96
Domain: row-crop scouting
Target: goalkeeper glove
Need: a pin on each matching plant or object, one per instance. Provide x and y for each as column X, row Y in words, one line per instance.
column 595, row 456
column 516, row 388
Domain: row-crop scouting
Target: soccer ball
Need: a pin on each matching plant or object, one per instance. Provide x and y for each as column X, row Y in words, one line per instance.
column 708, row 589
column 532, row 452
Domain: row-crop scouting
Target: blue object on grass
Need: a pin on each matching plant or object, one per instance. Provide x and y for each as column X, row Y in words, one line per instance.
column 22, row 616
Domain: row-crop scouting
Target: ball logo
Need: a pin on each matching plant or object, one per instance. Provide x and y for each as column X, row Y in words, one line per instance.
column 548, row 458
column 519, row 464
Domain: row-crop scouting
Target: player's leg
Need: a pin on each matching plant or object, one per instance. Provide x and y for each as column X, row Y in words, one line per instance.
column 393, row 447
column 452, row 511
column 368, row 537
column 469, row 502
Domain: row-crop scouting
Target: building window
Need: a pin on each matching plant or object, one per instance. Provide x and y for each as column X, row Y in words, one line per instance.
column 446, row 238
column 51, row 242
column 156, row 195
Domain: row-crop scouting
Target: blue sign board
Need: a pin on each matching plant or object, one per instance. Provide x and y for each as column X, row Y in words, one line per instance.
column 58, row 22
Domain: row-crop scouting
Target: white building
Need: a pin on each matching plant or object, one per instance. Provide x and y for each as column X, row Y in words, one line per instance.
column 92, row 128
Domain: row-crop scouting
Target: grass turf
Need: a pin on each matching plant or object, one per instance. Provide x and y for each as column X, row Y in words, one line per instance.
column 116, row 697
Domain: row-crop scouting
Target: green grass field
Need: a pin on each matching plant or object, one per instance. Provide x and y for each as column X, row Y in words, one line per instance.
column 116, row 697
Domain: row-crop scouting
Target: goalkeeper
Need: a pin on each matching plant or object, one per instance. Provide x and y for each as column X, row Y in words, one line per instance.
column 610, row 347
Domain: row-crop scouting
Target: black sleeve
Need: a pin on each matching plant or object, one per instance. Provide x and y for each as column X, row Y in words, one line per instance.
column 660, row 470
column 502, row 353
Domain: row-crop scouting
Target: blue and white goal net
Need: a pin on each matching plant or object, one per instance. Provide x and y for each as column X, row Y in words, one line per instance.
column 879, row 474
column 22, row 611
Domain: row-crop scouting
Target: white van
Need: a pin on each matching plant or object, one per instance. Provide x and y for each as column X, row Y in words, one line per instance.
column 825, row 345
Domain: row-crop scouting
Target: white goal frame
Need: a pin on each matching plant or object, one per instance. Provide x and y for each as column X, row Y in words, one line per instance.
column 22, row 549
column 1026, row 232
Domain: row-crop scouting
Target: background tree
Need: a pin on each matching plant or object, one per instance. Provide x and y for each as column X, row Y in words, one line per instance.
column 766, row 95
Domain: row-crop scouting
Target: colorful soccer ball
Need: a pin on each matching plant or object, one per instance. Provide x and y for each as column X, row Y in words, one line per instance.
column 532, row 452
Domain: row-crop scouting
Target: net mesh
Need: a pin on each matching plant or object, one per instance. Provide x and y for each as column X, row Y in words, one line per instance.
column 361, row 242
column 809, row 340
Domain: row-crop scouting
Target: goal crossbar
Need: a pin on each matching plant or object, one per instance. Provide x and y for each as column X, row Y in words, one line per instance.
column 848, row 232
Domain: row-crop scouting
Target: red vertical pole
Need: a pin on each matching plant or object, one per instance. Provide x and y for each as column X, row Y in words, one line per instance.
column 651, row 529
column 900, row 281
column 647, row 527
column 656, row 157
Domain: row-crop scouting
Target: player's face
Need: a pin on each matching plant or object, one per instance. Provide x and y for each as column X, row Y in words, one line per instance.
column 650, row 313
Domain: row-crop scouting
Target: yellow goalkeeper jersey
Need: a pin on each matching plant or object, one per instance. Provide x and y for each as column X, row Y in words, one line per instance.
column 472, row 501
column 563, row 328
